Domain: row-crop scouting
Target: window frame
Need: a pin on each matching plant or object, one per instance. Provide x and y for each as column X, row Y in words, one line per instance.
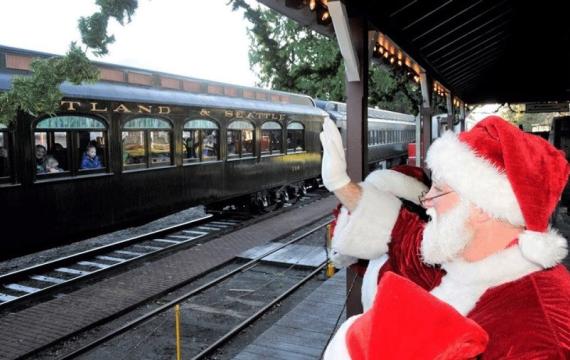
column 201, row 132
column 73, row 152
column 293, row 151
column 240, row 137
column 9, row 146
column 147, row 164
column 272, row 151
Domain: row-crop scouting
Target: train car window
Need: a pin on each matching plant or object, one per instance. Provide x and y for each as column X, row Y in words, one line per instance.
column 271, row 135
column 147, row 142
column 5, row 170
column 70, row 145
column 51, row 152
column 201, row 140
column 241, row 139
column 160, row 148
column 295, row 137
column 134, row 149
column 91, row 146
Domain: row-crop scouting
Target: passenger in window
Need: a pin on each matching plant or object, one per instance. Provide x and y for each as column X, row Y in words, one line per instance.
column 4, row 162
column 90, row 159
column 210, row 145
column 60, row 153
column 52, row 165
column 41, row 152
column 189, row 144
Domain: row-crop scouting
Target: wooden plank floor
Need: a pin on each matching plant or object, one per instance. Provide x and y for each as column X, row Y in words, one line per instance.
column 304, row 255
column 303, row 332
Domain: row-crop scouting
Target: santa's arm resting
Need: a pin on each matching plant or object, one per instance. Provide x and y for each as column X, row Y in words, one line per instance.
column 406, row 322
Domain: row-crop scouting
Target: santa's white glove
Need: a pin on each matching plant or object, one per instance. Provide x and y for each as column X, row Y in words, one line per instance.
column 333, row 170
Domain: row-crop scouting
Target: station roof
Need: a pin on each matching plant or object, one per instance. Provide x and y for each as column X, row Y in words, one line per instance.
column 480, row 50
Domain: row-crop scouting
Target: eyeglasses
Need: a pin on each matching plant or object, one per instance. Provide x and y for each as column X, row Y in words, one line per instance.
column 422, row 199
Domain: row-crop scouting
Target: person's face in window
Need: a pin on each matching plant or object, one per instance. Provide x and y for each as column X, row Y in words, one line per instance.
column 91, row 152
column 40, row 152
column 52, row 165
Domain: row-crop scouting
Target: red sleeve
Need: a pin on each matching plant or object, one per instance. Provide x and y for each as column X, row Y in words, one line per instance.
column 404, row 252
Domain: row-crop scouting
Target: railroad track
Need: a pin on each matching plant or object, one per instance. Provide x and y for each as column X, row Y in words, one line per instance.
column 23, row 286
column 257, row 308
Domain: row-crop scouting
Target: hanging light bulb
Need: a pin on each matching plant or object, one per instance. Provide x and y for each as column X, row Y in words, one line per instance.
column 386, row 54
column 381, row 49
column 392, row 59
column 400, row 62
column 417, row 78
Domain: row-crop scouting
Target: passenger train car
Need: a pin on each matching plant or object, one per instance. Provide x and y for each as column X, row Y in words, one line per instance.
column 138, row 145
column 389, row 133
column 160, row 143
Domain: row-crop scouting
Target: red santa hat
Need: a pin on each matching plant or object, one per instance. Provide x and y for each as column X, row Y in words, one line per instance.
column 407, row 322
column 512, row 175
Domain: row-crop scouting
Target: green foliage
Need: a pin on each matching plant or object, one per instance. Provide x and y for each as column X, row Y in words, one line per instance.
column 289, row 57
column 39, row 93
column 94, row 28
column 516, row 115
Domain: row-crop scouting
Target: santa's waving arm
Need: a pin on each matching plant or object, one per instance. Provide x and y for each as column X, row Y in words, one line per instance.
column 371, row 208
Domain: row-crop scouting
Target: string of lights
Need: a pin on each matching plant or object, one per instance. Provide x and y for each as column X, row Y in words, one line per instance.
column 384, row 51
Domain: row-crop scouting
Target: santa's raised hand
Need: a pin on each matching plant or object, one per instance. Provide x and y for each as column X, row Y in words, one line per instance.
column 333, row 169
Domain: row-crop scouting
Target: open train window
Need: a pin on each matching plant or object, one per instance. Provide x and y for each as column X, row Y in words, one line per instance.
column 271, row 138
column 69, row 145
column 240, row 139
column 201, row 140
column 146, row 143
column 5, row 152
column 295, row 137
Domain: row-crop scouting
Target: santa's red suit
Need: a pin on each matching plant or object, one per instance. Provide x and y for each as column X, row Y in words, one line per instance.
column 519, row 296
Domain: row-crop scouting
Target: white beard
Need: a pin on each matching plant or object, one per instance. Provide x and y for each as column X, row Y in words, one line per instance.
column 444, row 238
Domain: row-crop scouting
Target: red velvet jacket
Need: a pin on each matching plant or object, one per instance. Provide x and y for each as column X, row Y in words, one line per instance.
column 528, row 318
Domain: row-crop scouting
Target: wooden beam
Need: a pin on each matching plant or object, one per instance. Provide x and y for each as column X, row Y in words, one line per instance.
column 357, row 136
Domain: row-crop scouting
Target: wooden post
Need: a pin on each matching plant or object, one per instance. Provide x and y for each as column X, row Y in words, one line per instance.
column 425, row 114
column 357, row 136
column 462, row 115
column 450, row 114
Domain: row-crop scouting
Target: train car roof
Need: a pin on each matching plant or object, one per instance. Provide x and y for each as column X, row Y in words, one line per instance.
column 337, row 111
column 119, row 83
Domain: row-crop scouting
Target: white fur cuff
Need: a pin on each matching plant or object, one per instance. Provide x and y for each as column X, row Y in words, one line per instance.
column 398, row 184
column 366, row 232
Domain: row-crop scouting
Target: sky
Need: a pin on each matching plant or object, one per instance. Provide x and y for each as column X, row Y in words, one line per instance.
column 196, row 38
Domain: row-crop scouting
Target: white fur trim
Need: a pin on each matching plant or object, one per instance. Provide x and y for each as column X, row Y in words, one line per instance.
column 341, row 261
column 545, row 249
column 398, row 184
column 370, row 281
column 473, row 178
column 337, row 349
column 367, row 232
column 465, row 282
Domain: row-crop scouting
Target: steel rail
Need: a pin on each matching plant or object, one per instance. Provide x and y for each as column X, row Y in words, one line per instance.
column 19, row 275
column 153, row 313
column 260, row 312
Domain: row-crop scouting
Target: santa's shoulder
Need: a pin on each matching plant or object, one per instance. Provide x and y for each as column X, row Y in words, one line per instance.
column 528, row 316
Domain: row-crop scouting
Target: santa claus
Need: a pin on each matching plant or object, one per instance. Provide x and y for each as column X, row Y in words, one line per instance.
column 482, row 277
